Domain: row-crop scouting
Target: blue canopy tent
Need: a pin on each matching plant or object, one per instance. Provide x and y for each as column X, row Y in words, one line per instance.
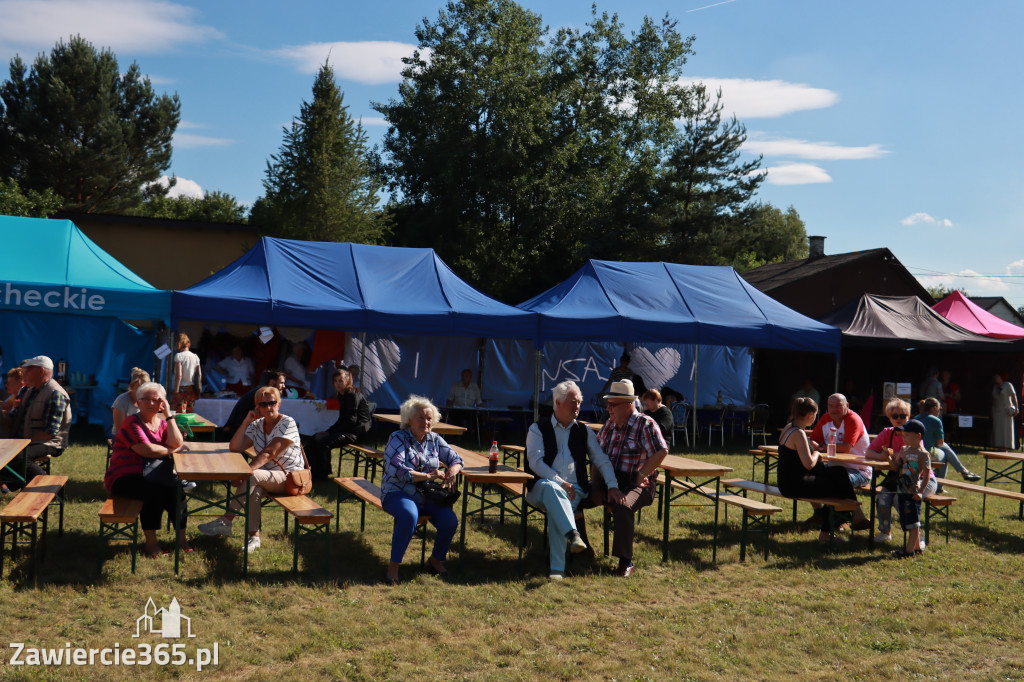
column 352, row 287
column 344, row 286
column 62, row 295
column 672, row 303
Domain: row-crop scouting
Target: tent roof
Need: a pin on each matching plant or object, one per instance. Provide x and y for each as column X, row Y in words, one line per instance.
column 71, row 274
column 672, row 303
column 343, row 286
column 960, row 310
column 903, row 322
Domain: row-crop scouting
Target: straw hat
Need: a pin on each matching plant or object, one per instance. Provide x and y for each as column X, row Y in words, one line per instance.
column 622, row 390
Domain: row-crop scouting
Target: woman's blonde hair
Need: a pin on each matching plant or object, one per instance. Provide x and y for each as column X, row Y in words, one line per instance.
column 183, row 341
column 891, row 406
column 414, row 404
column 263, row 391
column 139, row 376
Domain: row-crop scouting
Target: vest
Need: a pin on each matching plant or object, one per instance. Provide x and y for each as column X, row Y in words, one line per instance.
column 577, row 448
column 33, row 416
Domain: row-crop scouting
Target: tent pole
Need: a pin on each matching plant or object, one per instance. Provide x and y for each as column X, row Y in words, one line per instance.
column 696, row 352
column 536, row 385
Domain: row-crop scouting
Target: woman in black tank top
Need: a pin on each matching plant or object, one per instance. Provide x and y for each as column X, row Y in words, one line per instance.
column 802, row 473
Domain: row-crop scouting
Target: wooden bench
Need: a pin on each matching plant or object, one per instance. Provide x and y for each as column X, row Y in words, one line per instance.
column 21, row 516
column 984, row 490
column 310, row 519
column 516, row 452
column 119, row 518
column 367, row 492
column 834, row 504
column 936, row 505
column 371, row 458
column 757, row 516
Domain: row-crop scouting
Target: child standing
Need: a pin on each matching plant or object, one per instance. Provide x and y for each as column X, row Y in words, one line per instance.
column 915, row 482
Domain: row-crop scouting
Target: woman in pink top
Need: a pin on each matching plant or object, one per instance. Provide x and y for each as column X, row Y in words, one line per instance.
column 883, row 447
column 140, row 467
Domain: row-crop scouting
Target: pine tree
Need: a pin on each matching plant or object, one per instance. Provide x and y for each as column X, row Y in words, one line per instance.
column 76, row 124
column 318, row 186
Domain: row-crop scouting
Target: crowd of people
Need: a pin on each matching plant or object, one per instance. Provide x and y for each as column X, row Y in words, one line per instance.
column 574, row 467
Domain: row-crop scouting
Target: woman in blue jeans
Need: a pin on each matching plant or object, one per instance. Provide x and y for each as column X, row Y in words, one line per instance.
column 934, row 437
column 412, row 456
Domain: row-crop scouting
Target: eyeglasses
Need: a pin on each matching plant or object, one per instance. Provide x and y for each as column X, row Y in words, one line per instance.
column 899, row 416
column 269, row 403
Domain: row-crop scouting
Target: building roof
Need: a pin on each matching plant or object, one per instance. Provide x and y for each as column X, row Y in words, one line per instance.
column 775, row 275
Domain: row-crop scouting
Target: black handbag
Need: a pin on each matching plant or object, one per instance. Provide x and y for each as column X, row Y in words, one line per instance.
column 436, row 493
column 160, row 470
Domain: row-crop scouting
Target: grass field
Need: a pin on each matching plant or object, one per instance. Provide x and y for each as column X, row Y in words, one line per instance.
column 855, row 614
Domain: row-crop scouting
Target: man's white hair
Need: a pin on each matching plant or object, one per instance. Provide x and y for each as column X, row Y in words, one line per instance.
column 560, row 391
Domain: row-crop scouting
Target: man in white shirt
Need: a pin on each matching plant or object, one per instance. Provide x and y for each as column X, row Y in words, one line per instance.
column 464, row 393
column 557, row 449
column 239, row 370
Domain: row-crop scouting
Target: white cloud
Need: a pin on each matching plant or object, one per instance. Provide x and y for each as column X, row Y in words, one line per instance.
column 121, row 25
column 803, row 149
column 182, row 188
column 973, row 282
column 919, row 217
column 368, row 121
column 191, row 141
column 1015, row 268
column 749, row 98
column 370, row 61
column 796, row 174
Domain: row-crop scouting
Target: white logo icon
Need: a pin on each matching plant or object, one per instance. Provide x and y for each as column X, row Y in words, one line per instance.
column 169, row 621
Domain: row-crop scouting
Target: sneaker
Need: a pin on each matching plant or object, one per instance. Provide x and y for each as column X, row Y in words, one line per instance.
column 556, row 576
column 883, row 537
column 219, row 526
column 921, row 544
column 576, row 544
column 625, row 570
column 188, row 486
column 970, row 476
column 253, row 544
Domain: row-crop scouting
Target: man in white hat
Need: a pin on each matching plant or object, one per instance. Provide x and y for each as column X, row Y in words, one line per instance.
column 635, row 446
column 43, row 415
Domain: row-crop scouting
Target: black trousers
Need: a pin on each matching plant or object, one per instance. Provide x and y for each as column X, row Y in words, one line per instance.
column 157, row 498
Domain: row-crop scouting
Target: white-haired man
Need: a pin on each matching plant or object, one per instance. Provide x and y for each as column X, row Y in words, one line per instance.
column 43, row 416
column 557, row 451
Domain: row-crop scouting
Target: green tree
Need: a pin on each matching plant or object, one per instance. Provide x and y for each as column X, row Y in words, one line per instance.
column 941, row 292
column 214, row 207
column 76, row 124
column 519, row 153
column 30, row 203
column 319, row 186
column 703, row 194
column 764, row 234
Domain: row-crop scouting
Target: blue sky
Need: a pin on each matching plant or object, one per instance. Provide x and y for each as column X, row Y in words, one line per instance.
column 883, row 124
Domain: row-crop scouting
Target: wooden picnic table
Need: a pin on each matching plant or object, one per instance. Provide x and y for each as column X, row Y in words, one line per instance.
column 707, row 473
column 213, row 462
column 1003, row 465
column 11, row 448
column 475, row 469
column 437, row 427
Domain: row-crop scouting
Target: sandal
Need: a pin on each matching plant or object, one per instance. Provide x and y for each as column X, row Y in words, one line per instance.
column 904, row 554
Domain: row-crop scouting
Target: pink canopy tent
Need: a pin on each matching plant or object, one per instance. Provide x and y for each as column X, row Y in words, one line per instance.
column 958, row 309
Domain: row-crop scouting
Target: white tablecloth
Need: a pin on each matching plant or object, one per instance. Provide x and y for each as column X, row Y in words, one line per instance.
column 312, row 416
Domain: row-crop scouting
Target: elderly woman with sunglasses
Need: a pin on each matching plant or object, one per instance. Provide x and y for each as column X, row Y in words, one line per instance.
column 275, row 438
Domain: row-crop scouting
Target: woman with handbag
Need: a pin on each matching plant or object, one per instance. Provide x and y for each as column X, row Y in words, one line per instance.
column 140, row 466
column 412, row 458
column 275, row 439
column 884, row 447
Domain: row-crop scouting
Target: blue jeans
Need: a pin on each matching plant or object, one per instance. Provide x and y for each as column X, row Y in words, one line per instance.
column 884, row 502
column 858, row 478
column 407, row 511
column 552, row 498
column 945, row 454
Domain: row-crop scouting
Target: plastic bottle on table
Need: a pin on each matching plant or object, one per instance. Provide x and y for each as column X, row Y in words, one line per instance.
column 492, row 459
column 832, row 443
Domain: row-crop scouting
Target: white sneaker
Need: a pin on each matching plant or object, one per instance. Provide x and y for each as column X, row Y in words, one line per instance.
column 219, row 526
column 883, row 537
column 921, row 544
column 253, row 544
column 188, row 486
column 556, row 576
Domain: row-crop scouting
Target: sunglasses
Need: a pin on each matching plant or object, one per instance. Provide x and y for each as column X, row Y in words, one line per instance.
column 269, row 403
column 899, row 416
